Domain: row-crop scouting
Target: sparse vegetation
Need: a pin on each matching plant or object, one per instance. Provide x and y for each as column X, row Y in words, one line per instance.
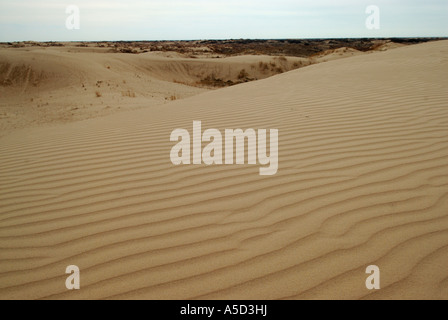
column 243, row 75
column 263, row 66
column 212, row 81
column 279, row 70
column 221, row 48
column 127, row 50
column 98, row 94
column 297, row 64
column 128, row 93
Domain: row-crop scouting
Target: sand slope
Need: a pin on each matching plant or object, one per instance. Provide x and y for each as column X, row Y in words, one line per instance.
column 39, row 86
column 363, row 180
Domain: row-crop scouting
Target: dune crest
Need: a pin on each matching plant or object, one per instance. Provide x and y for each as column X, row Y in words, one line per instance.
column 41, row 86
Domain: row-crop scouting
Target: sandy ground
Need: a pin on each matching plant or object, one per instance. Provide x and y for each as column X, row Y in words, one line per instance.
column 362, row 180
column 52, row 85
column 41, row 86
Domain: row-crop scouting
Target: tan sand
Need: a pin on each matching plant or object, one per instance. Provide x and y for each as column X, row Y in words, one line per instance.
column 363, row 162
column 39, row 86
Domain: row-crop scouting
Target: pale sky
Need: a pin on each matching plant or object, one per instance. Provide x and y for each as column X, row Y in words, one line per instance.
column 45, row 20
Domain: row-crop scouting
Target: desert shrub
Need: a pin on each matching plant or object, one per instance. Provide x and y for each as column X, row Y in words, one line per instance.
column 263, row 66
column 98, row 94
column 212, row 81
column 279, row 70
column 127, row 50
column 128, row 93
column 243, row 74
column 54, row 44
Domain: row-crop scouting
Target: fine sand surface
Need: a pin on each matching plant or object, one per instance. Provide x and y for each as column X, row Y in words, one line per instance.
column 362, row 180
column 39, row 86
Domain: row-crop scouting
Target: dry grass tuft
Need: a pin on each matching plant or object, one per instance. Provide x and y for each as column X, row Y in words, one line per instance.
column 128, row 93
column 243, row 74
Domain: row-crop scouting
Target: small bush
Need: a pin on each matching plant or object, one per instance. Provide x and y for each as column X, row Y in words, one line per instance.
column 263, row 66
column 128, row 93
column 98, row 94
column 212, row 81
column 279, row 70
column 243, row 74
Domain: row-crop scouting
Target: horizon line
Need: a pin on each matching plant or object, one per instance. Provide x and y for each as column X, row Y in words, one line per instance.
column 235, row 39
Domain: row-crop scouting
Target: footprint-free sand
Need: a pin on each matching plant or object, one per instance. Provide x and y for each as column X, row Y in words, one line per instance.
column 362, row 180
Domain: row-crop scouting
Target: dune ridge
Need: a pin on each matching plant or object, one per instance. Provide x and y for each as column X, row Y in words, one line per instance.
column 362, row 180
column 41, row 86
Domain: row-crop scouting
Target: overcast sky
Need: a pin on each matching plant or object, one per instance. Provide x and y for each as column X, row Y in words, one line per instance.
column 45, row 20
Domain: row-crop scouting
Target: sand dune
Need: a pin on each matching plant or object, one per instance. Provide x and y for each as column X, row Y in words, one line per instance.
column 362, row 180
column 39, row 86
